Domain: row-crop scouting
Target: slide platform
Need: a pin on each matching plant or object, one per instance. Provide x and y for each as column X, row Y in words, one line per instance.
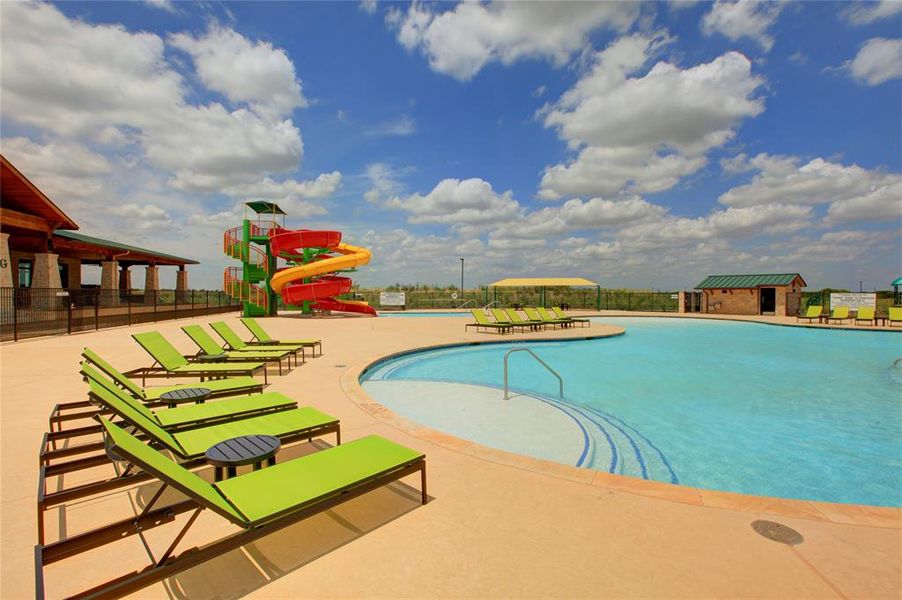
column 325, row 286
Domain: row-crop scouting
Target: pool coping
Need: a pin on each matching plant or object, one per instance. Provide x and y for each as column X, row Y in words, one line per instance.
column 838, row 513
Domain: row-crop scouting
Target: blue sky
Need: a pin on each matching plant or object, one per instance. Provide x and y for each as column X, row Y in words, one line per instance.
column 642, row 145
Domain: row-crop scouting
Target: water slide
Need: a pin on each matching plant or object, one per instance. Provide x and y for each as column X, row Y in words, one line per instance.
column 324, row 285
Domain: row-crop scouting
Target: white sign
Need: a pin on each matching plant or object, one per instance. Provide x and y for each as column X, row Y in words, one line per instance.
column 392, row 299
column 454, row 295
column 853, row 301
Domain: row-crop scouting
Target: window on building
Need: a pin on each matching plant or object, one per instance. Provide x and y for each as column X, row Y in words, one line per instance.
column 64, row 275
column 25, row 273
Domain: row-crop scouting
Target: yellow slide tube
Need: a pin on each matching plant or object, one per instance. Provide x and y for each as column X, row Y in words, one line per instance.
column 352, row 256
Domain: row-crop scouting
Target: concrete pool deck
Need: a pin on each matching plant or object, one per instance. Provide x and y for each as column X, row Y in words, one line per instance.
column 497, row 525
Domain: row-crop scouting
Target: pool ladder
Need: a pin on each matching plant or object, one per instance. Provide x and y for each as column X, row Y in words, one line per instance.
column 541, row 362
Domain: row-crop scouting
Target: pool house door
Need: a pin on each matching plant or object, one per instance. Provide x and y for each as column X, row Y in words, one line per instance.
column 768, row 301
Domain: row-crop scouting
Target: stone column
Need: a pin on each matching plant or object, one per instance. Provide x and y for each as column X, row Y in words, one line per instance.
column 682, row 301
column 181, row 284
column 6, row 263
column 151, row 283
column 109, row 288
column 46, row 277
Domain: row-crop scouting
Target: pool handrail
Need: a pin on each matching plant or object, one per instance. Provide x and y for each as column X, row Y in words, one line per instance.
column 542, row 362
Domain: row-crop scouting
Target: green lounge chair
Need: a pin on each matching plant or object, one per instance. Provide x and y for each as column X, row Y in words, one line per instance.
column 218, row 387
column 839, row 314
column 559, row 314
column 259, row 502
column 483, row 321
column 294, row 424
column 234, row 342
column 813, row 312
column 172, row 363
column 196, row 414
column 501, row 317
column 534, row 315
column 866, row 313
column 209, row 347
column 514, row 317
column 894, row 315
column 261, row 337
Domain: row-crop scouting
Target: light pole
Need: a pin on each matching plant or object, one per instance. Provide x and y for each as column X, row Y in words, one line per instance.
column 461, row 278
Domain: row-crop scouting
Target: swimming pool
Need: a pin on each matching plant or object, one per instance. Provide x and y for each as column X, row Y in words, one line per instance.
column 778, row 411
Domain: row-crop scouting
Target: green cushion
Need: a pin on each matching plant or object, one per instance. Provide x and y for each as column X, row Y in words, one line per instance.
column 234, row 384
column 895, row 313
column 196, row 441
column 176, row 475
column 263, row 494
column 226, row 333
column 232, row 407
column 203, row 339
column 865, row 312
column 216, row 367
column 271, row 350
column 162, row 351
column 499, row 315
column 134, row 415
column 118, row 377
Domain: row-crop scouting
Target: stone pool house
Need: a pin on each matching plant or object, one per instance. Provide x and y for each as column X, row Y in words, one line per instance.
column 761, row 294
column 40, row 249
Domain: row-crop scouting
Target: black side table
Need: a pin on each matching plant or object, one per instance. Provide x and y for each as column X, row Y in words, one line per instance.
column 198, row 395
column 243, row 450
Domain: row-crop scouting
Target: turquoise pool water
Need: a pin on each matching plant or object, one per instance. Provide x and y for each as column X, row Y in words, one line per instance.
column 757, row 409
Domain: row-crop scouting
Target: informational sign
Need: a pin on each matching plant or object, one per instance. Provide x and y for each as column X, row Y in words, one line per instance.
column 392, row 299
column 454, row 295
column 853, row 301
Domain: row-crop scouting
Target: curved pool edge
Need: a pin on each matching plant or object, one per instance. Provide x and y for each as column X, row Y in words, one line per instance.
column 838, row 513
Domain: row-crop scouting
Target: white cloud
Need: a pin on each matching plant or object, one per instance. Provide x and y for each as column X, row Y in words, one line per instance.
column 401, row 126
column 864, row 13
column 244, row 71
column 539, row 91
column 368, row 6
column 743, row 18
column 166, row 5
column 145, row 216
column 459, row 202
column 61, row 76
column 385, row 182
column 854, row 193
column 461, row 41
column 62, row 170
column 645, row 133
column 879, row 60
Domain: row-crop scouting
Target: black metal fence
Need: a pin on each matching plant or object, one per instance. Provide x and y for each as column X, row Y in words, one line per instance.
column 587, row 299
column 33, row 312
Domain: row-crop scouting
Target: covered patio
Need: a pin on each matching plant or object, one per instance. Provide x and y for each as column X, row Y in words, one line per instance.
column 515, row 287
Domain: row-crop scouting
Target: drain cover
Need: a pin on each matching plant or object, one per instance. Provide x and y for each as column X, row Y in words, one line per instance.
column 777, row 532
column 339, row 366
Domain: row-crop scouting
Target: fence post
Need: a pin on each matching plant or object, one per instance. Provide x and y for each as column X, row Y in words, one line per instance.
column 175, row 306
column 192, row 304
column 68, row 315
column 15, row 314
column 629, row 301
column 128, row 302
column 97, row 310
column 155, row 297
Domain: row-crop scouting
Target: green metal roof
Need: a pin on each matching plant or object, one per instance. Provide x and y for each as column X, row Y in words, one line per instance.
column 747, row 281
column 898, row 281
column 86, row 239
column 265, row 208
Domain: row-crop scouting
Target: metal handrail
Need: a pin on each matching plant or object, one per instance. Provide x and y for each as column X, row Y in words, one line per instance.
column 467, row 302
column 542, row 362
column 491, row 303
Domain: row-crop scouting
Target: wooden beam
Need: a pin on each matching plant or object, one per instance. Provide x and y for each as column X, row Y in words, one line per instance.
column 14, row 218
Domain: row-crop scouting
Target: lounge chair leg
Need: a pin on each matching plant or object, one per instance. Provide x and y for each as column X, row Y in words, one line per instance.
column 423, row 482
column 338, row 437
column 179, row 537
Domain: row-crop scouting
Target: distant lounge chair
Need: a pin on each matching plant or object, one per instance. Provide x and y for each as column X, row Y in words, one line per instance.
column 534, row 315
column 483, row 321
column 515, row 318
column 209, row 347
column 196, row 414
column 813, row 312
column 263, row 338
column 259, row 502
column 172, row 363
column 234, row 342
column 558, row 313
column 866, row 313
column 502, row 318
column 218, row 387
column 839, row 314
column 894, row 315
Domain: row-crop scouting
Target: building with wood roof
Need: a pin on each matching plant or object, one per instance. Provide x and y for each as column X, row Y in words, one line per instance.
column 760, row 294
column 39, row 247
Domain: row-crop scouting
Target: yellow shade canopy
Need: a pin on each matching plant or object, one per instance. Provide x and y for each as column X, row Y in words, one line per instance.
column 543, row 282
